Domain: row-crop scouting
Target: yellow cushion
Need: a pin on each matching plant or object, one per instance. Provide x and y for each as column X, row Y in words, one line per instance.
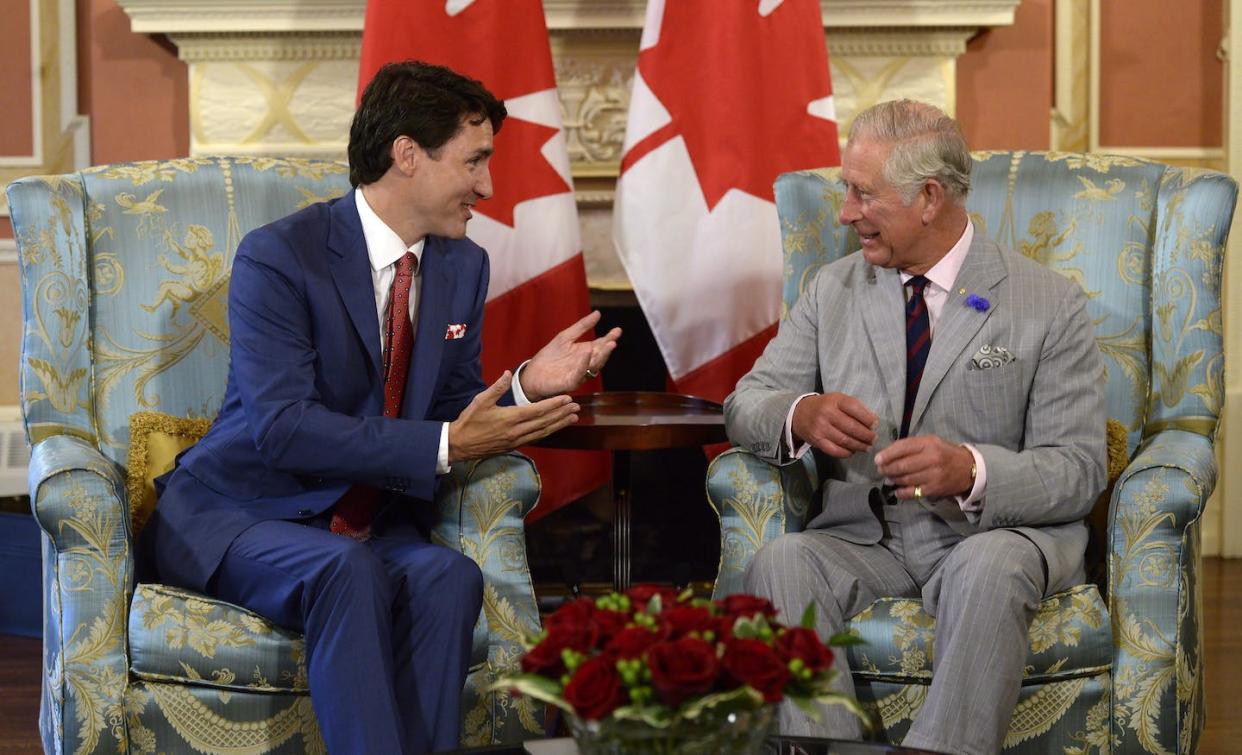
column 155, row 439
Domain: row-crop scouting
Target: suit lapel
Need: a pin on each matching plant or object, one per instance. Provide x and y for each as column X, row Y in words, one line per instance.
column 982, row 269
column 433, row 309
column 351, row 272
column 884, row 320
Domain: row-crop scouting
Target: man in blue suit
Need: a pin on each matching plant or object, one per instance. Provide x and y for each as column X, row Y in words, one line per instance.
column 354, row 384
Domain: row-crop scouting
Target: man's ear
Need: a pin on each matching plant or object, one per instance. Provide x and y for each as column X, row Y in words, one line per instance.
column 934, row 198
column 406, row 155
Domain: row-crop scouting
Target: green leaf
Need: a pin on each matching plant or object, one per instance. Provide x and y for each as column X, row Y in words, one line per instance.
column 533, row 685
column 808, row 616
column 845, row 639
column 742, row 698
column 852, row 705
column 658, row 716
column 745, row 628
column 807, row 706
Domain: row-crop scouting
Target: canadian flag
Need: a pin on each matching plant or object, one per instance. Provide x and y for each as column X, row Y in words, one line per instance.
column 727, row 96
column 529, row 227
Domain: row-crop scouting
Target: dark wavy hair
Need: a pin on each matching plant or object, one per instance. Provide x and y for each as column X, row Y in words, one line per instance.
column 424, row 102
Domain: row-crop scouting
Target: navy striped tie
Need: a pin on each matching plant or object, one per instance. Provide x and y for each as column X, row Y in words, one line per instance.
column 918, row 343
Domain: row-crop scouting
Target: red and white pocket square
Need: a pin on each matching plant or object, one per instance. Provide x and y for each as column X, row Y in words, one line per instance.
column 455, row 331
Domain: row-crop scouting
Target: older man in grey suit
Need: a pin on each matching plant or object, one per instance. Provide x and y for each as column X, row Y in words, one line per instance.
column 957, row 392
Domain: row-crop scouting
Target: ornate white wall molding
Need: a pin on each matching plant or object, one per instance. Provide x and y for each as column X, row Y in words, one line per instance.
column 217, row 46
column 946, row 42
column 205, row 16
column 280, row 76
column 161, row 16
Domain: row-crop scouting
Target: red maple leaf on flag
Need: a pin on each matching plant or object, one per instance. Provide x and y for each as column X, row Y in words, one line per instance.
column 519, row 170
column 742, row 111
column 475, row 41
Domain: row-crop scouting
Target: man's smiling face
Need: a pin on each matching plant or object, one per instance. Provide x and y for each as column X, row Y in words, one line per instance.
column 889, row 229
column 452, row 179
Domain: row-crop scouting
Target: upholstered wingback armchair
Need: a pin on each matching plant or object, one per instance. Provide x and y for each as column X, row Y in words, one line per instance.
column 125, row 272
column 1146, row 242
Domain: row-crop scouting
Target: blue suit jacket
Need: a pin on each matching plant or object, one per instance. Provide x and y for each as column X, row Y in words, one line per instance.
column 302, row 419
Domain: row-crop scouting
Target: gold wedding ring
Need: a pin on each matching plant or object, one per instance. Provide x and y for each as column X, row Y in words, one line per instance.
column 591, row 374
column 918, row 492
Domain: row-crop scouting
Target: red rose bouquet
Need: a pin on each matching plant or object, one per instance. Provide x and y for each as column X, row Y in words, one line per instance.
column 671, row 665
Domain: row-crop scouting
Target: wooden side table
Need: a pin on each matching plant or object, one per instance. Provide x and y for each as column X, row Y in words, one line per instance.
column 627, row 421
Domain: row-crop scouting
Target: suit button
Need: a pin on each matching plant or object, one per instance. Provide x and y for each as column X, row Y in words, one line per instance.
column 305, row 512
column 892, row 434
column 318, row 480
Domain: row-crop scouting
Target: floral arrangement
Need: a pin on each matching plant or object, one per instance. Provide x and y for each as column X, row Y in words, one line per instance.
column 661, row 658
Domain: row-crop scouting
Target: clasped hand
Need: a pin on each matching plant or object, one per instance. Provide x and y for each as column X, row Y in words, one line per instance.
column 485, row 428
column 840, row 425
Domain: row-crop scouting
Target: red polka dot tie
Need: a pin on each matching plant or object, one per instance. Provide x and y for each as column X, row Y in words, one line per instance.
column 355, row 511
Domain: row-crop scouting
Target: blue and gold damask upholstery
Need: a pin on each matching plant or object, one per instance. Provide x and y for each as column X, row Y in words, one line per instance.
column 125, row 272
column 1146, row 242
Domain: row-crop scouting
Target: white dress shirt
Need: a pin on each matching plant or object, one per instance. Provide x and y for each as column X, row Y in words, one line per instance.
column 384, row 248
column 941, row 278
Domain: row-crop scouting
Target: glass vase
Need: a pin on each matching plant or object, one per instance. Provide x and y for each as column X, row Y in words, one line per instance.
column 737, row 732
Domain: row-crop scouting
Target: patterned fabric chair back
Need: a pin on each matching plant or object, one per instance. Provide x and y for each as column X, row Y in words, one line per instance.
column 156, row 242
column 1114, row 225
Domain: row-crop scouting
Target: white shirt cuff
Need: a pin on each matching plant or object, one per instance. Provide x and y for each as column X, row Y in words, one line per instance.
column 973, row 503
column 519, row 396
column 790, row 451
column 442, row 463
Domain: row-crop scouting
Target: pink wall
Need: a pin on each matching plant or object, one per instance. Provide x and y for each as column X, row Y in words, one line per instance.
column 1160, row 81
column 16, row 134
column 133, row 87
column 1004, row 82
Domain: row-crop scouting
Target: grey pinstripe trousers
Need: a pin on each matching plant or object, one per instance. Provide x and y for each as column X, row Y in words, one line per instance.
column 983, row 590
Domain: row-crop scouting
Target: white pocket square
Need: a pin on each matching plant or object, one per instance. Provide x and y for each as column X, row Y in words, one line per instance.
column 990, row 357
column 455, row 331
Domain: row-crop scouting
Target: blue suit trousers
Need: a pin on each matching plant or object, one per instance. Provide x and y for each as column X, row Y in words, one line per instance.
column 388, row 625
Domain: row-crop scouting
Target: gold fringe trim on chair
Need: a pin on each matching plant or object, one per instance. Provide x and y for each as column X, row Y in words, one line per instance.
column 208, row 732
column 1118, row 450
column 901, row 706
column 1035, row 715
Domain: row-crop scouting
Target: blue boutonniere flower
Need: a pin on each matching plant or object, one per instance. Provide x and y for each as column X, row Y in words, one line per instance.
column 977, row 302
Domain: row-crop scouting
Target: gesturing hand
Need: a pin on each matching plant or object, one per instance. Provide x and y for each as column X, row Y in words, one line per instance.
column 483, row 428
column 930, row 463
column 564, row 363
column 836, row 423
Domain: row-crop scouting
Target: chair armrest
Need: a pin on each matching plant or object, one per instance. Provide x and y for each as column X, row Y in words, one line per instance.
column 481, row 510
column 78, row 498
column 755, row 502
column 1153, row 578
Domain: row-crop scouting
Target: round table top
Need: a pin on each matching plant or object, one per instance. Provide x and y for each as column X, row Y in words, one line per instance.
column 640, row 421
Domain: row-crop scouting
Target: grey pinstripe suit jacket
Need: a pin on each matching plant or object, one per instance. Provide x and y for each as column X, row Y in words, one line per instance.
column 1038, row 420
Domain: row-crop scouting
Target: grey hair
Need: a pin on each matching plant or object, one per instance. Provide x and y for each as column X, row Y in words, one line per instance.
column 927, row 144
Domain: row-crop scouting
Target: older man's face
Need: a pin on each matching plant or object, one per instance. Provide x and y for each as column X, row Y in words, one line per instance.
column 889, row 230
